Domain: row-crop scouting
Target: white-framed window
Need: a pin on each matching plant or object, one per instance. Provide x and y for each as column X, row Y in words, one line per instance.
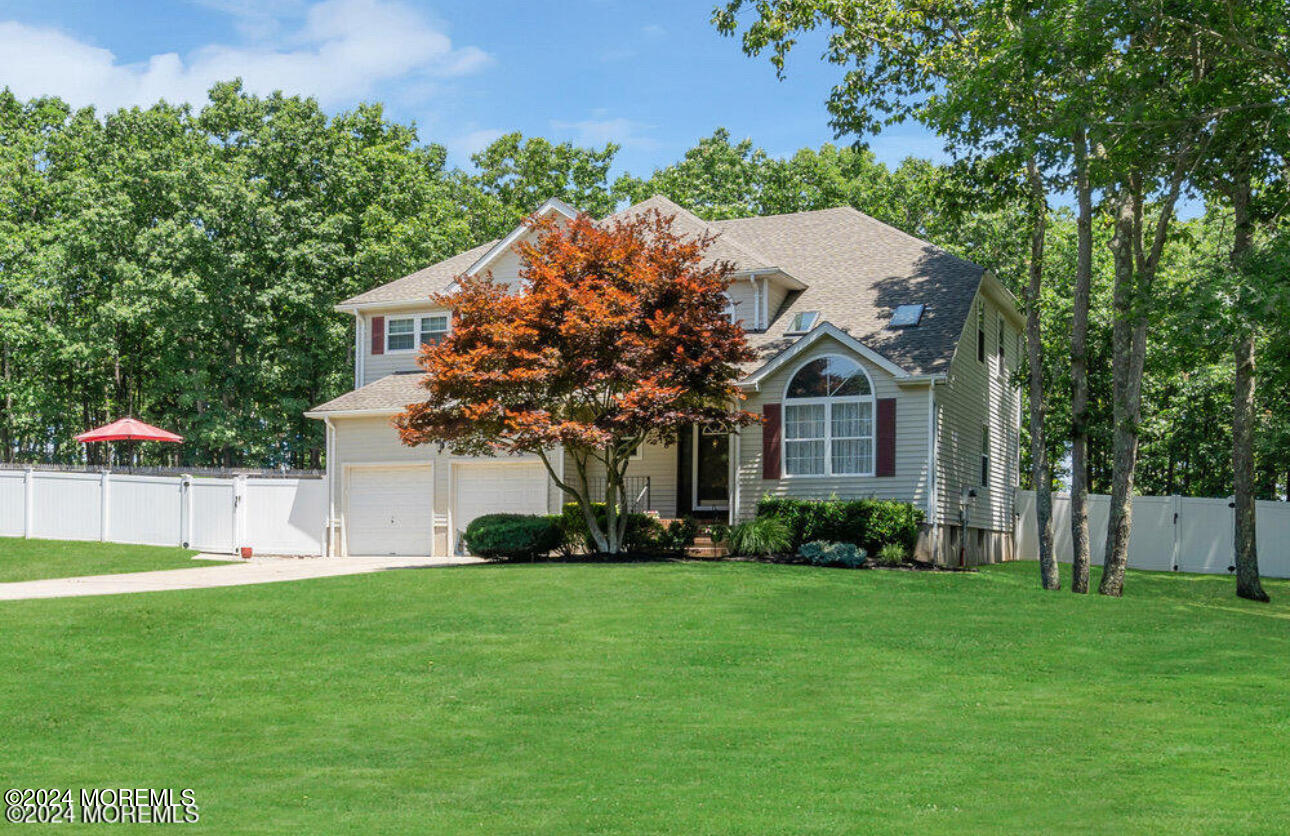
column 985, row 455
column 802, row 322
column 410, row 332
column 828, row 419
column 434, row 328
column 400, row 334
column 729, row 309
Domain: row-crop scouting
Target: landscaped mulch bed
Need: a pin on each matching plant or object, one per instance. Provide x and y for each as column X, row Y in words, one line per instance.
column 785, row 559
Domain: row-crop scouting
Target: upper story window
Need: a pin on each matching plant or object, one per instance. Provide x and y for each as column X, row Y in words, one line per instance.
column 980, row 330
column 803, row 321
column 1003, row 332
column 729, row 309
column 985, row 454
column 400, row 334
column 406, row 333
column 433, row 328
column 828, row 420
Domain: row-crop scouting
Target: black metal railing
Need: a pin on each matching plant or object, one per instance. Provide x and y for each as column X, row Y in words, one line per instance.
column 636, row 489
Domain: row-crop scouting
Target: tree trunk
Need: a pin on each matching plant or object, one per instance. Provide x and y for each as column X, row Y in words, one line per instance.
column 1125, row 436
column 1079, row 369
column 1243, row 416
column 1039, row 468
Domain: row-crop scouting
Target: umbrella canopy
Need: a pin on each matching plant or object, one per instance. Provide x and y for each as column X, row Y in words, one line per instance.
column 128, row 429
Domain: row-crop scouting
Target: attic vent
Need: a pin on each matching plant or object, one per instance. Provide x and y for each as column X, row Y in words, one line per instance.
column 907, row 316
column 803, row 321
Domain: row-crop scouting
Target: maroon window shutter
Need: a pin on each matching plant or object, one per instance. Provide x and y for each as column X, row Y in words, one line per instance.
column 770, row 441
column 378, row 335
column 886, row 438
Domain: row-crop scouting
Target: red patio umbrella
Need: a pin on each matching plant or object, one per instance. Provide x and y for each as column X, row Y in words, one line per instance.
column 128, row 429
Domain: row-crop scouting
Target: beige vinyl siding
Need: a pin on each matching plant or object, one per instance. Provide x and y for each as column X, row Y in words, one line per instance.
column 373, row 441
column 743, row 294
column 377, row 366
column 910, row 484
column 659, row 464
column 775, row 296
column 975, row 395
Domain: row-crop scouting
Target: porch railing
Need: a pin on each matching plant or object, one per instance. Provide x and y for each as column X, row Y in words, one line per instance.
column 635, row 487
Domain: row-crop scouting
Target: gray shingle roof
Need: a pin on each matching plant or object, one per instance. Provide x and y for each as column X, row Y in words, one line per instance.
column 392, row 393
column 857, row 271
column 422, row 283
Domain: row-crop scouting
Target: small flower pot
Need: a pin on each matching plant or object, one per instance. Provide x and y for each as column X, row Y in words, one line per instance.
column 245, row 551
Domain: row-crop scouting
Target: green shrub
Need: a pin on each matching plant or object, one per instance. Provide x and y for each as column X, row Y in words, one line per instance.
column 892, row 554
column 645, row 534
column 760, row 536
column 868, row 523
column 513, row 536
column 825, row 553
column 677, row 536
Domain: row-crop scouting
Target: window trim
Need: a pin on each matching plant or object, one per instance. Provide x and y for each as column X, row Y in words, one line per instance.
column 389, row 328
column 827, row 402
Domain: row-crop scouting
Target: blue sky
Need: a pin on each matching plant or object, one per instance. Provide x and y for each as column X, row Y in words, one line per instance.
column 652, row 76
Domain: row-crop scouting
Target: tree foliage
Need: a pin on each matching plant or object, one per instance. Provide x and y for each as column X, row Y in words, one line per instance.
column 615, row 337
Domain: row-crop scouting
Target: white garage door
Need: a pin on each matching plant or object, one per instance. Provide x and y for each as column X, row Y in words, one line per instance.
column 390, row 510
column 518, row 488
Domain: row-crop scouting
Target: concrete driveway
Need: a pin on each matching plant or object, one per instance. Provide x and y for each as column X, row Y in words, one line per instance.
column 227, row 573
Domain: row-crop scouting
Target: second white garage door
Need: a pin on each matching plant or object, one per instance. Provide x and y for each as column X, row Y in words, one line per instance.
column 487, row 488
column 390, row 510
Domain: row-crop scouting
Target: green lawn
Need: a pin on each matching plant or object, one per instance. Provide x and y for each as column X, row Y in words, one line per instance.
column 681, row 698
column 29, row 560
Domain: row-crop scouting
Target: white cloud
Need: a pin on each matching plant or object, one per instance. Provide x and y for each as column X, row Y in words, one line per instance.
column 625, row 132
column 653, row 30
column 339, row 51
column 461, row 147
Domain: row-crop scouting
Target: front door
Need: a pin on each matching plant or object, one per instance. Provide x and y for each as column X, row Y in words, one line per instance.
column 711, row 473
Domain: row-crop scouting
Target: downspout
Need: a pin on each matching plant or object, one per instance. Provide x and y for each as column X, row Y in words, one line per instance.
column 358, row 350
column 330, row 526
column 932, row 516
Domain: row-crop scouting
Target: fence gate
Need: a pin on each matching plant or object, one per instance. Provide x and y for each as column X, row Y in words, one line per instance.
column 1170, row 533
column 210, row 506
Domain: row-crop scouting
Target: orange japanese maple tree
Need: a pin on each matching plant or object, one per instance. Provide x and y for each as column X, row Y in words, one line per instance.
column 615, row 336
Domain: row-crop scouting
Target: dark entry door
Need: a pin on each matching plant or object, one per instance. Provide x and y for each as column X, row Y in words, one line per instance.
column 711, row 469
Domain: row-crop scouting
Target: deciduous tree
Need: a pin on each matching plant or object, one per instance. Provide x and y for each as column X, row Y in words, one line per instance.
column 614, row 337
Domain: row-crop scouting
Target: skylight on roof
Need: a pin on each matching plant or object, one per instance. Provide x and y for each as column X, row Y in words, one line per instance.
column 907, row 316
column 803, row 321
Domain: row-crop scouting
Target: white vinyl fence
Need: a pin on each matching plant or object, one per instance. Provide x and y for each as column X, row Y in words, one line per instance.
column 1170, row 533
column 220, row 515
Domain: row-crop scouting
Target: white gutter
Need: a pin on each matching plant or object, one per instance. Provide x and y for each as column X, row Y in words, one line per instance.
column 351, row 413
column 358, row 350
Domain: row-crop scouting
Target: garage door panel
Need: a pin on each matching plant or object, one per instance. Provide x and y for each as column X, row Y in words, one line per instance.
column 390, row 510
column 493, row 488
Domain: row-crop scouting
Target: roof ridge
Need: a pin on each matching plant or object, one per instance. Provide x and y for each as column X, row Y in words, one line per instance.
column 849, row 209
column 726, row 237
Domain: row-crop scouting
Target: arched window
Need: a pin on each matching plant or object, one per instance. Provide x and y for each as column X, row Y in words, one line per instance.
column 828, row 419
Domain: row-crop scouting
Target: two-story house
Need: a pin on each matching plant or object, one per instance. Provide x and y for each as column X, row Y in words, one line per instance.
column 885, row 370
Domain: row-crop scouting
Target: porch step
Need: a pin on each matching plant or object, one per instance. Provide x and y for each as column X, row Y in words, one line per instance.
column 704, row 548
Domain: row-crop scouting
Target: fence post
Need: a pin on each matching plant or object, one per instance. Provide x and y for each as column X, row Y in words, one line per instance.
column 239, row 512
column 28, row 501
column 186, row 510
column 1175, row 506
column 105, row 487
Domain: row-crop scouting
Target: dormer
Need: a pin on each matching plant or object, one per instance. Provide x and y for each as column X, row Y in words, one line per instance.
column 756, row 296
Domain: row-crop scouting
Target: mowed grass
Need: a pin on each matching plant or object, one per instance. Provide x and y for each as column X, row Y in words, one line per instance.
column 678, row 698
column 30, row 560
